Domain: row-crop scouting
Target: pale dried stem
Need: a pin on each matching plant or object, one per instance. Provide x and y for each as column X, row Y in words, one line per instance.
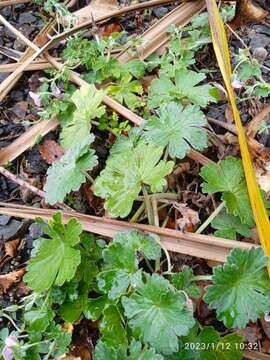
column 202, row 246
column 12, row 2
column 21, row 182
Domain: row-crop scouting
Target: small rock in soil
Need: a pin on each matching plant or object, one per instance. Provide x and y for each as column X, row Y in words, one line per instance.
column 35, row 230
column 259, row 40
column 26, row 29
column 12, row 230
column 9, row 34
column 26, row 18
column 20, row 109
column 6, row 11
column 17, row 95
column 260, row 54
column 262, row 29
column 2, row 30
column 4, row 220
column 19, row 45
column 160, row 12
column 34, row 163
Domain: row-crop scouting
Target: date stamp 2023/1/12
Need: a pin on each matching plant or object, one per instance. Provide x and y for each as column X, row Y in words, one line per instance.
column 244, row 346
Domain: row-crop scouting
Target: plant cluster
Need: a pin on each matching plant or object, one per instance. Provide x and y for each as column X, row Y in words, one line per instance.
column 174, row 124
column 141, row 314
column 248, row 75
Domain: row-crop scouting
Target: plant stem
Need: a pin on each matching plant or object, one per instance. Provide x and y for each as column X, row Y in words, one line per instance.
column 12, row 322
column 89, row 177
column 137, row 214
column 202, row 278
column 148, row 206
column 210, row 218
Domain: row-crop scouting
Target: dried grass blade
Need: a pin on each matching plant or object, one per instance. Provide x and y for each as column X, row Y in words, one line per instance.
column 157, row 35
column 26, row 140
column 202, row 246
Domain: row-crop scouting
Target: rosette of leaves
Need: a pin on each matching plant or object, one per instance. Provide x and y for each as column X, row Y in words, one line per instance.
column 127, row 91
column 87, row 101
column 241, row 289
column 69, row 172
column 178, row 128
column 121, row 264
column 227, row 177
column 125, row 173
column 157, row 314
column 183, row 88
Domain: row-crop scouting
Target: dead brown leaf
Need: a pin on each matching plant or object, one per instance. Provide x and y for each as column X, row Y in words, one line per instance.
column 261, row 161
column 246, row 12
column 7, row 280
column 50, row 151
column 266, row 346
column 252, row 333
column 10, row 248
column 108, row 29
column 97, row 8
column 189, row 218
column 266, row 327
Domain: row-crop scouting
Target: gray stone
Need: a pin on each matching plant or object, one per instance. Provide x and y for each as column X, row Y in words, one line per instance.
column 19, row 45
column 260, row 54
column 26, row 29
column 4, row 219
column 159, row 12
column 35, row 230
column 26, row 18
column 6, row 11
column 259, row 41
column 3, row 76
column 262, row 29
column 17, row 95
column 12, row 230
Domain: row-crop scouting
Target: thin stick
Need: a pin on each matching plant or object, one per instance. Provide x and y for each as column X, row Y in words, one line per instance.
column 210, row 218
column 138, row 213
column 21, row 182
column 229, row 127
column 12, row 2
column 33, row 189
column 202, row 246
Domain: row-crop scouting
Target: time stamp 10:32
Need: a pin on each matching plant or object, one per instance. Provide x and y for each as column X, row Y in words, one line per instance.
column 221, row 346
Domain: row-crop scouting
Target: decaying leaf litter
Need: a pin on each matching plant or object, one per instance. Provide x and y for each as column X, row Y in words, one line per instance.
column 174, row 182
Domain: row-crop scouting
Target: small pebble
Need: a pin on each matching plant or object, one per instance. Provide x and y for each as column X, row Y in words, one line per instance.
column 161, row 11
column 260, row 54
column 26, row 18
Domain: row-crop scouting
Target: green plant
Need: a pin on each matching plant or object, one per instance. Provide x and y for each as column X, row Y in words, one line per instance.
column 68, row 173
column 125, row 92
column 227, row 177
column 183, row 88
column 178, row 128
column 141, row 315
column 228, row 225
column 248, row 71
column 126, row 174
column 87, row 101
